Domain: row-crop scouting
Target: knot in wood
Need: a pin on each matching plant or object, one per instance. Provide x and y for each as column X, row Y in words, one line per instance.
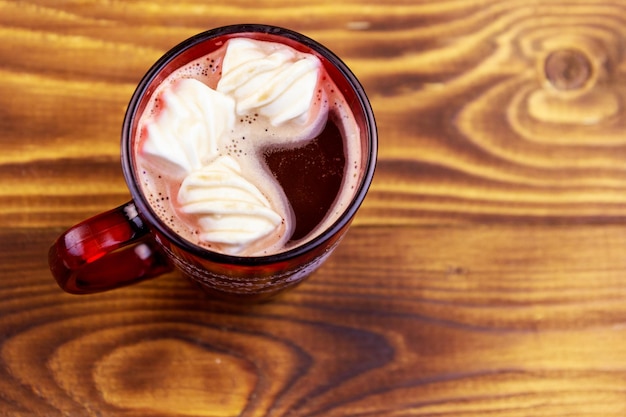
column 568, row 69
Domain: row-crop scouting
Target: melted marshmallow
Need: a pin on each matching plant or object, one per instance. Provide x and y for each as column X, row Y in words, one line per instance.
column 231, row 212
column 278, row 82
column 191, row 135
column 188, row 126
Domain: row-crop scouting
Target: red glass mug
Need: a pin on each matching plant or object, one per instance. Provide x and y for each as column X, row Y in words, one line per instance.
column 130, row 243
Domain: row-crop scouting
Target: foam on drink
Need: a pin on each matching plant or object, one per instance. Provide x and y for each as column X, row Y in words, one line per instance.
column 203, row 134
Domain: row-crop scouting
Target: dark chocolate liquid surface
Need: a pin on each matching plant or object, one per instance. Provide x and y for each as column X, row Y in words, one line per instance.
column 311, row 176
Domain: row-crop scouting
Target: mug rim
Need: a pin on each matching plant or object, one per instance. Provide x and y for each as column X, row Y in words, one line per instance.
column 151, row 218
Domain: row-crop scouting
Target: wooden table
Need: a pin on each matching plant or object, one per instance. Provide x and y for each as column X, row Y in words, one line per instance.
column 485, row 275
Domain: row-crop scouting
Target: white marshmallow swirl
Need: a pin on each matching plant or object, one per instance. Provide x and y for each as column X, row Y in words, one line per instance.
column 231, row 212
column 231, row 204
column 278, row 82
column 187, row 127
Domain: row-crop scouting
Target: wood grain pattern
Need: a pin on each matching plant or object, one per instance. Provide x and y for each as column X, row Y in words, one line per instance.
column 484, row 274
column 471, row 128
column 484, row 320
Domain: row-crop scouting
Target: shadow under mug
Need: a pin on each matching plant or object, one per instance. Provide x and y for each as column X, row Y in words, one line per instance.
column 130, row 243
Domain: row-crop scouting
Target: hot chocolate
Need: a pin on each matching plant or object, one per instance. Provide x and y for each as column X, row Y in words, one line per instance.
column 249, row 150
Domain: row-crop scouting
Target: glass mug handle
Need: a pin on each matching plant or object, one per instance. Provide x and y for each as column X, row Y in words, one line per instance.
column 107, row 251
